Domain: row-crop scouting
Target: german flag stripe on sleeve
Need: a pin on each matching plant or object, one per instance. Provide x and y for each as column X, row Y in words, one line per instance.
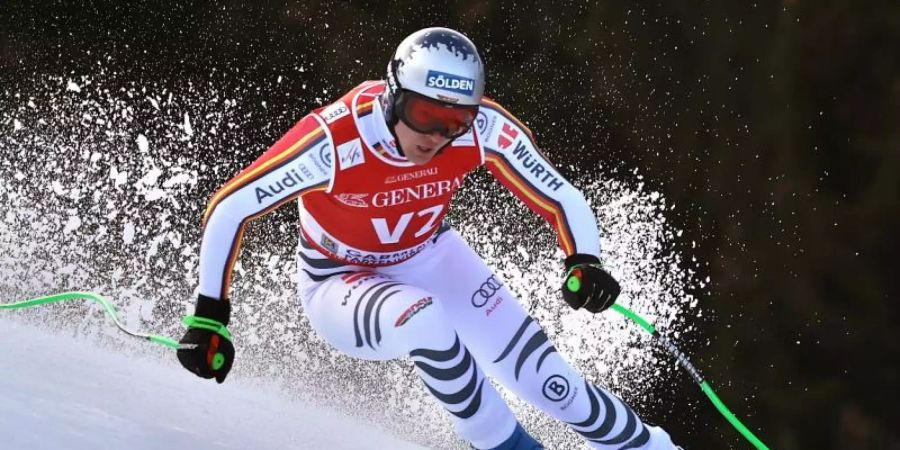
column 232, row 259
column 364, row 109
column 283, row 152
column 234, row 251
column 545, row 206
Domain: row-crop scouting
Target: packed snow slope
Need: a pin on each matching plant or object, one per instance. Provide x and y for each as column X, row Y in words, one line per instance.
column 63, row 393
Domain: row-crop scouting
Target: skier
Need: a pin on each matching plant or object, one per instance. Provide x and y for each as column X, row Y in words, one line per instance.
column 383, row 277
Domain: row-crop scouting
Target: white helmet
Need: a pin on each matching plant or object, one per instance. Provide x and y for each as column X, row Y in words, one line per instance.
column 438, row 63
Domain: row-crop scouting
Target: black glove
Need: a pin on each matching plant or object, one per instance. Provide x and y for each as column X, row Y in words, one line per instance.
column 588, row 285
column 206, row 348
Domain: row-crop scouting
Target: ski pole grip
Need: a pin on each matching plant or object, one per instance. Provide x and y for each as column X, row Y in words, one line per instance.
column 218, row 361
column 573, row 279
column 573, row 283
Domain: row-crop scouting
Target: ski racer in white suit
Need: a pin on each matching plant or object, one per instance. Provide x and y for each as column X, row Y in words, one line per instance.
column 382, row 276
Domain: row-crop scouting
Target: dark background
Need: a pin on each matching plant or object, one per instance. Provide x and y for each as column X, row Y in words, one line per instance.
column 771, row 128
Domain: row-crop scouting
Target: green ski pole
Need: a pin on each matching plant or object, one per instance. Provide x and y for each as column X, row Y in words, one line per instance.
column 111, row 312
column 574, row 284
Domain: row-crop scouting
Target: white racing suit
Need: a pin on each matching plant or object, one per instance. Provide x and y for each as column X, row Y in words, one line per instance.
column 390, row 286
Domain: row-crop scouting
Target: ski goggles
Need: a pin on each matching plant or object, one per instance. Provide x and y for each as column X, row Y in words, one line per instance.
column 427, row 116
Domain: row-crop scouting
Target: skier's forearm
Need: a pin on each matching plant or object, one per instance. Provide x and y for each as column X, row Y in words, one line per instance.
column 581, row 221
column 218, row 253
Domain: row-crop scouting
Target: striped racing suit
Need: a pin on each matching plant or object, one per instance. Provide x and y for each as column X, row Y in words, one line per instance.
column 383, row 277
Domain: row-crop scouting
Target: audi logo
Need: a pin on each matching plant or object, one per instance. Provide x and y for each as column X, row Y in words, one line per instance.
column 486, row 291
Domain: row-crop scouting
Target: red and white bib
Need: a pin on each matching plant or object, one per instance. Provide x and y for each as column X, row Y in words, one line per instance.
column 379, row 209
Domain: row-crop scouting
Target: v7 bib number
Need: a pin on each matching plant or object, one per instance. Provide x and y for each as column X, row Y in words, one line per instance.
column 388, row 235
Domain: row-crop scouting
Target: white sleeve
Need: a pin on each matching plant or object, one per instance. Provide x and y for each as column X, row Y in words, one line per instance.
column 514, row 159
column 300, row 162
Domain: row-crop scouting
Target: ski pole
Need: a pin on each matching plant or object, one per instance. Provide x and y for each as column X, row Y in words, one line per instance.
column 573, row 283
column 111, row 312
column 694, row 373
